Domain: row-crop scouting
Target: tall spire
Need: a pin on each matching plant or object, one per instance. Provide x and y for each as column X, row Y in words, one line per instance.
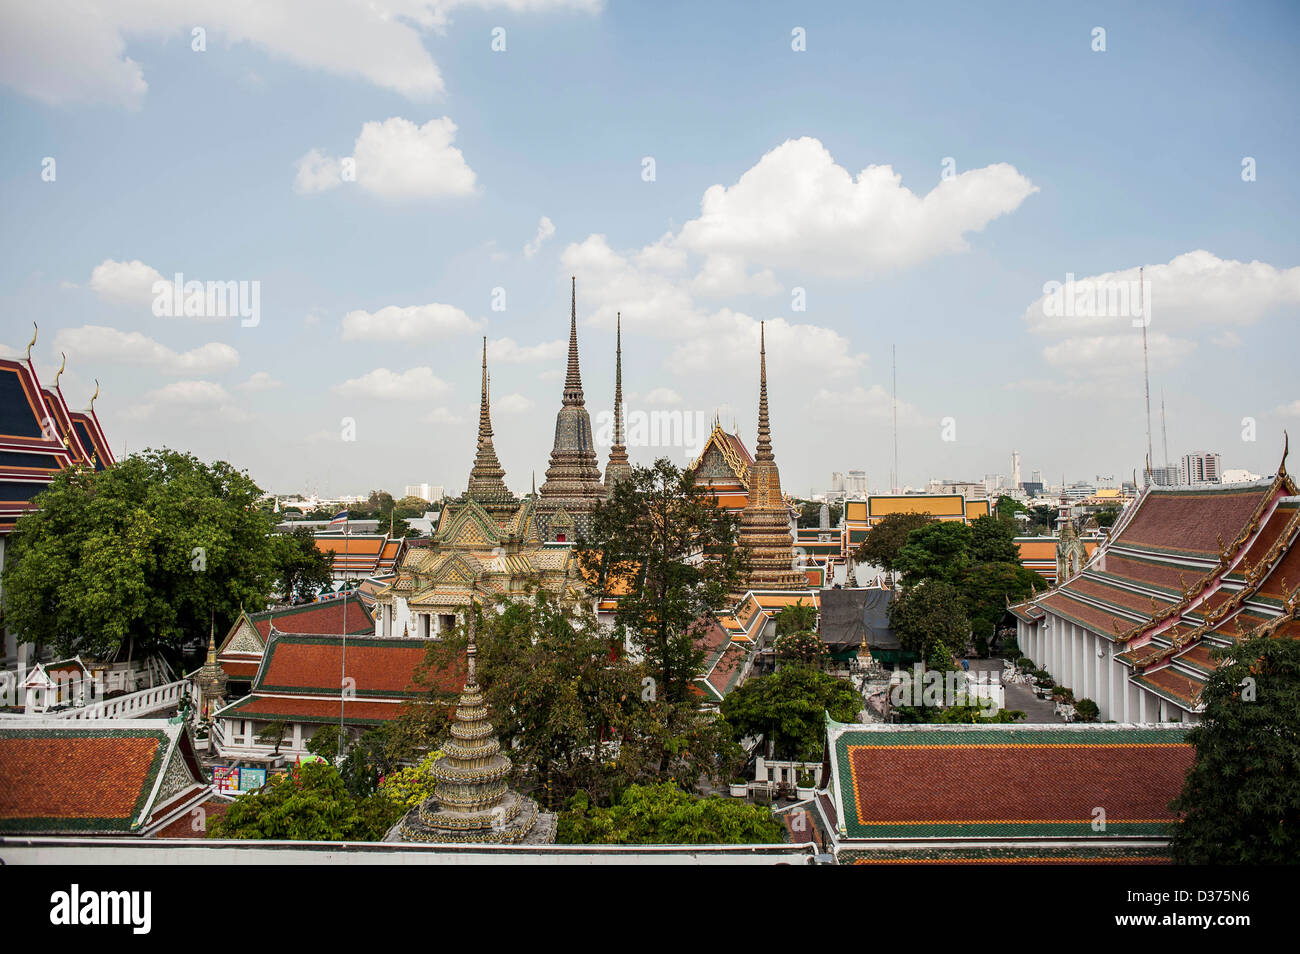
column 765, row 521
column 573, row 378
column 486, row 477
column 618, row 467
column 573, row 484
column 764, row 449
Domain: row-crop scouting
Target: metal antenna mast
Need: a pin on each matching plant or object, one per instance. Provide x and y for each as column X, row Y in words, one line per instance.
column 893, row 352
column 1146, row 367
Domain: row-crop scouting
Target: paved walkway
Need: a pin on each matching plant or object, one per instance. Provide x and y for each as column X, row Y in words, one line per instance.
column 1020, row 696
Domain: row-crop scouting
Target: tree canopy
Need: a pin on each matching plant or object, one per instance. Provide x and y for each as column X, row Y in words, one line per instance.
column 142, row 555
column 886, row 538
column 645, row 543
column 788, row 708
column 302, row 569
column 1240, row 803
column 929, row 619
column 310, row 803
column 937, row 550
column 665, row 815
column 993, row 540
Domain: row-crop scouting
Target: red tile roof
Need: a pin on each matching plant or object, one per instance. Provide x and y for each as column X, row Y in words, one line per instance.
column 1191, row 522
column 314, row 664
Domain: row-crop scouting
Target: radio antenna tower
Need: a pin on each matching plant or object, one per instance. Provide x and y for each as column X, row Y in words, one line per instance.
column 893, row 352
column 1146, row 367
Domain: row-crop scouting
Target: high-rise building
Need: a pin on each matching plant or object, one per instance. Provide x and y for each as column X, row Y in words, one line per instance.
column 856, row 483
column 430, row 492
column 1015, row 468
column 837, row 482
column 1199, row 468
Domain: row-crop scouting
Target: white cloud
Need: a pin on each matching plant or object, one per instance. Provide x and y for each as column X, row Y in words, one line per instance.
column 101, row 343
column 507, row 351
column 1117, row 355
column 1196, row 288
column 441, row 415
column 1290, row 410
column 410, row 323
column 1229, row 339
column 545, row 229
column 874, row 403
column 511, row 404
column 260, row 381
column 395, row 159
column 386, row 385
column 317, row 172
column 189, row 400
column 125, row 283
column 796, row 207
column 663, row 397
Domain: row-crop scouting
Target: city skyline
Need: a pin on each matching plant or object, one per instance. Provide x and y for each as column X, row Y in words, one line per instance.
column 469, row 185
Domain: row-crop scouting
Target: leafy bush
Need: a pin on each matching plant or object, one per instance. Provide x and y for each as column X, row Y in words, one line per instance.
column 1085, row 710
column 665, row 815
column 412, row 785
column 310, row 803
column 1025, row 664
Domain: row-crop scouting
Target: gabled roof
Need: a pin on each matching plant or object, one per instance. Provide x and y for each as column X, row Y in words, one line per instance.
column 996, row 781
column 109, row 776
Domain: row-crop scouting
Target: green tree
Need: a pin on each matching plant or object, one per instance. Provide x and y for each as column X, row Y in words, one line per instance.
column 987, row 587
column 139, row 556
column 410, row 786
column 310, row 803
column 1106, row 516
column 797, row 618
column 885, row 539
column 301, row 568
column 929, row 620
column 800, row 647
column 938, row 550
column 273, row 734
column 1007, row 507
column 993, row 540
column 644, row 545
column 665, row 815
column 788, row 708
column 1240, row 803
column 559, row 692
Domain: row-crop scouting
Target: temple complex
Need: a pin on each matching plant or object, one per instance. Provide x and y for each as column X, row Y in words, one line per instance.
column 472, row 801
column 765, row 521
column 573, row 483
column 1184, row 571
column 618, row 466
column 486, row 534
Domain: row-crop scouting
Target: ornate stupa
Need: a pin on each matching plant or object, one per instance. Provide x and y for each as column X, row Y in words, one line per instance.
column 618, row 466
column 472, row 801
column 487, row 484
column 573, row 485
column 210, row 679
column 765, row 521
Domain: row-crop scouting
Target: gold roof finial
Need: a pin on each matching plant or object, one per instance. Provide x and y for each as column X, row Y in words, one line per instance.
column 31, row 344
column 93, row 396
column 62, row 367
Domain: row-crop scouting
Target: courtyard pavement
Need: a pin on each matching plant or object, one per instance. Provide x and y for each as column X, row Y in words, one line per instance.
column 1019, row 696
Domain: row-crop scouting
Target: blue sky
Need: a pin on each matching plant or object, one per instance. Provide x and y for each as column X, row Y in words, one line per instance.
column 224, row 164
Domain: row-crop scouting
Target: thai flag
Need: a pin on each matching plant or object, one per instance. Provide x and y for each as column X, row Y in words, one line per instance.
column 340, row 519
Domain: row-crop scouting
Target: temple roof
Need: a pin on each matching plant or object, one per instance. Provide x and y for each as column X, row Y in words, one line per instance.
column 1024, row 781
column 106, row 776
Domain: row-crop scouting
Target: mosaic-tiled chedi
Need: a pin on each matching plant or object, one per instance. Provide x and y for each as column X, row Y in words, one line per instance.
column 765, row 521
column 573, row 484
column 472, row 801
column 487, row 484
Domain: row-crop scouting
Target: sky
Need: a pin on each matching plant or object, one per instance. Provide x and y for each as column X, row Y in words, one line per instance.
column 389, row 182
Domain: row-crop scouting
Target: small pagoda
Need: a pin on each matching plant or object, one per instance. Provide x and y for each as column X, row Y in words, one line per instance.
column 472, row 802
